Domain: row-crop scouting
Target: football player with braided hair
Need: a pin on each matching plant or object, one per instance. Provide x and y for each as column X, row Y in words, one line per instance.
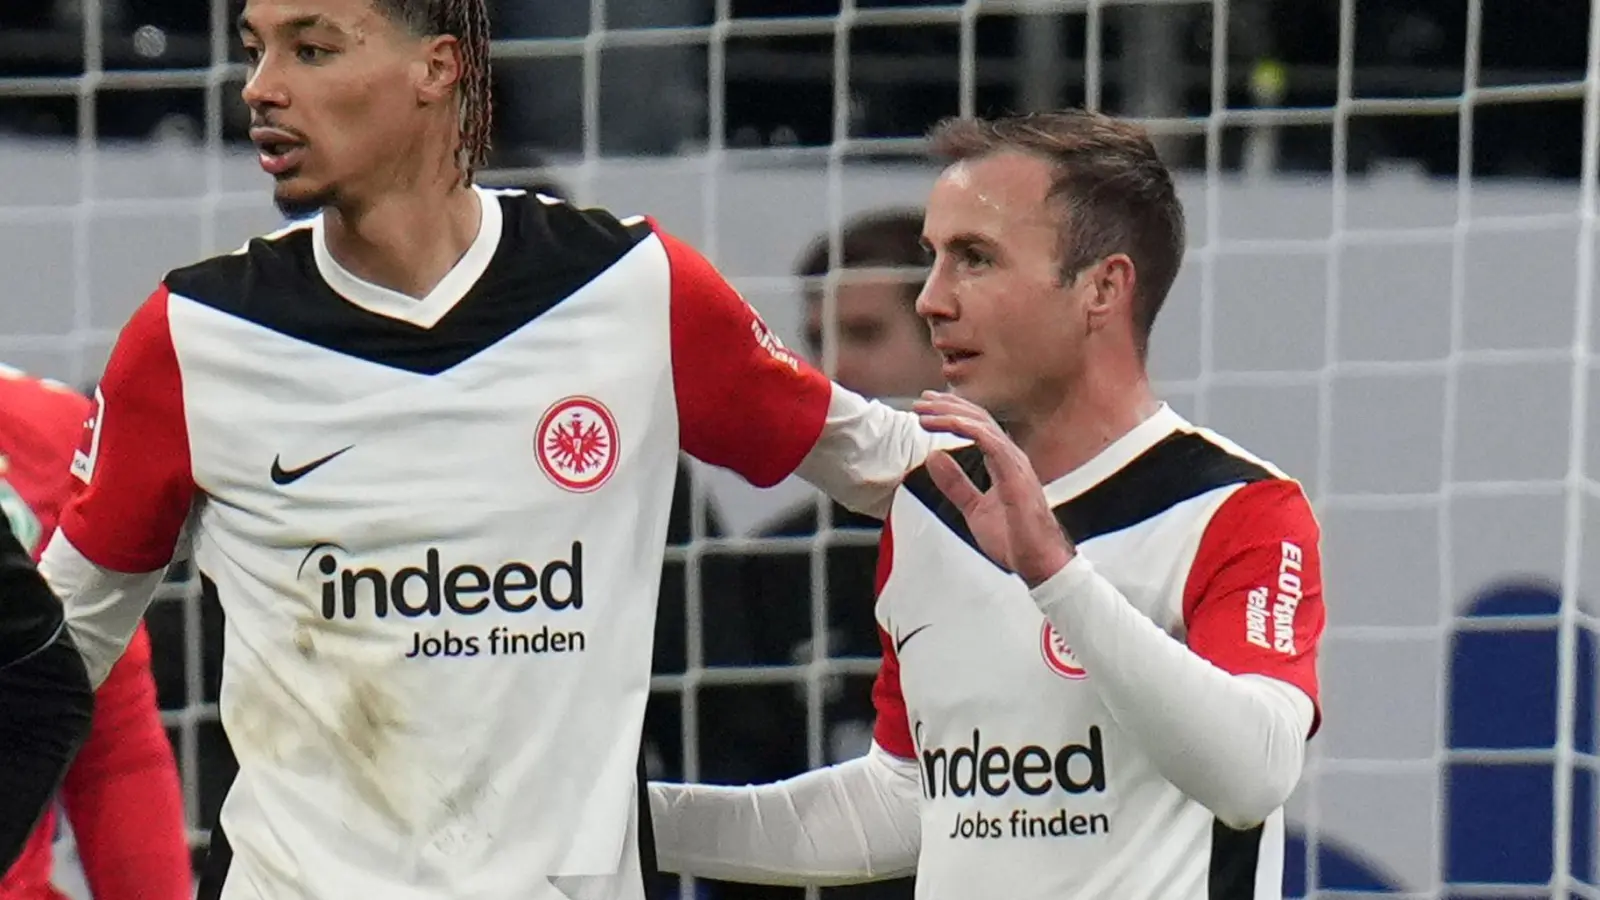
column 423, row 443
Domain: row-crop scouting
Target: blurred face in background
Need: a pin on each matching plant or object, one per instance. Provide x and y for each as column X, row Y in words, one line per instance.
column 883, row 349
column 339, row 95
column 1011, row 333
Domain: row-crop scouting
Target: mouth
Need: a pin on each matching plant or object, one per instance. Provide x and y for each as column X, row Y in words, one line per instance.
column 279, row 152
column 955, row 360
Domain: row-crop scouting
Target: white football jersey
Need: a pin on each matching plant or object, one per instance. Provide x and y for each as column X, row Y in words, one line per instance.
column 435, row 528
column 1030, row 788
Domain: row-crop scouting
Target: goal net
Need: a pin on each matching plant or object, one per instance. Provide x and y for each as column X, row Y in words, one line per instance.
column 1389, row 292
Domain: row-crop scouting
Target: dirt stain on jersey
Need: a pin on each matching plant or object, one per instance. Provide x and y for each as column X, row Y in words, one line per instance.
column 305, row 643
column 369, row 717
column 453, row 828
column 368, row 722
column 255, row 722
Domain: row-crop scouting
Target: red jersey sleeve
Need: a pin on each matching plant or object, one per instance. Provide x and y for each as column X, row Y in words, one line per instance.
column 1253, row 601
column 134, row 458
column 744, row 401
column 122, row 794
column 40, row 422
column 892, row 730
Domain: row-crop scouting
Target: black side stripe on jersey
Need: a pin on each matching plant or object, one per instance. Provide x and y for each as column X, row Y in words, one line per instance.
column 219, row 858
column 219, row 852
column 546, row 253
column 1235, row 856
column 1179, row 467
column 649, row 867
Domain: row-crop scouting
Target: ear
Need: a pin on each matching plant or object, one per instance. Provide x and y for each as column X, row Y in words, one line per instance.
column 439, row 69
column 1110, row 286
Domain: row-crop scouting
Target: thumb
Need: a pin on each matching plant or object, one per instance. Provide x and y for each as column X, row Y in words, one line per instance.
column 952, row 481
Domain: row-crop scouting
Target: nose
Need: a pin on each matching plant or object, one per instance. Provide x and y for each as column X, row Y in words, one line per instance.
column 937, row 300
column 264, row 89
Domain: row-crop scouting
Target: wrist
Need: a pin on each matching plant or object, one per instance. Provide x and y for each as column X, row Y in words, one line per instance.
column 1064, row 587
column 1048, row 566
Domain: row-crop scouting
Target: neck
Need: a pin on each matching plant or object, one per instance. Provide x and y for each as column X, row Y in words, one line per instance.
column 407, row 240
column 1077, row 424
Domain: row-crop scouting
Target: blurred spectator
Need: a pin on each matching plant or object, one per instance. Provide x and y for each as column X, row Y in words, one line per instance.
column 883, row 351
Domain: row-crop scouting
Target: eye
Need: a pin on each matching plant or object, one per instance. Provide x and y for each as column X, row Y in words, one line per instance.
column 973, row 258
column 861, row 332
column 252, row 55
column 312, row 55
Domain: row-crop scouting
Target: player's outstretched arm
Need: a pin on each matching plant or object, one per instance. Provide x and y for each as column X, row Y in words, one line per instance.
column 748, row 404
column 122, row 794
column 45, row 700
column 854, row 822
column 849, row 823
column 1223, row 718
column 118, row 535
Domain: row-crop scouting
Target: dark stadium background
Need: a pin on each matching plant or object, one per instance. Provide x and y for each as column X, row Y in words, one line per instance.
column 904, row 78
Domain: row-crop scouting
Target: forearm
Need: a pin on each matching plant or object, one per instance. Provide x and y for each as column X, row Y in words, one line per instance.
column 863, row 452
column 130, row 830
column 122, row 794
column 103, row 607
column 849, row 823
column 1235, row 744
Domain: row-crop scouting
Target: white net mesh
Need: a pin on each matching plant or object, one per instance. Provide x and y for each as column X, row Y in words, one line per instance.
column 1370, row 300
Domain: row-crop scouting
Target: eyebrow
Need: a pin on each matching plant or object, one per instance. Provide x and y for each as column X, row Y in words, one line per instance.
column 962, row 241
column 293, row 26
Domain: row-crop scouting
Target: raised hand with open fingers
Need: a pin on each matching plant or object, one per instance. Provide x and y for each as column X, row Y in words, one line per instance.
column 1011, row 521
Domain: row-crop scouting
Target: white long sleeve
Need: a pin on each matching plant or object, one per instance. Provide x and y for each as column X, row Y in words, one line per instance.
column 848, row 823
column 1234, row 743
column 865, row 450
column 103, row 608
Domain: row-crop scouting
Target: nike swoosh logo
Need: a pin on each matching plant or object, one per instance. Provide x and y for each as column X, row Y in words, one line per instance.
column 282, row 476
column 901, row 644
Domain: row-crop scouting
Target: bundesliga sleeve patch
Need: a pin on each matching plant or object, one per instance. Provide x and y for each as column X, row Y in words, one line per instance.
column 89, row 447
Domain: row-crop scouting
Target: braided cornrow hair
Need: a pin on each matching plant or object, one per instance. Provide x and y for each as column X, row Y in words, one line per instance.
column 468, row 22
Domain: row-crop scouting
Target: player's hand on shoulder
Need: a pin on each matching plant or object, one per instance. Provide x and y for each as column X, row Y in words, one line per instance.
column 1011, row 521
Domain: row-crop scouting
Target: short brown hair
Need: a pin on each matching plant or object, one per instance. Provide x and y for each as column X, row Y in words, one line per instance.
column 887, row 238
column 1118, row 195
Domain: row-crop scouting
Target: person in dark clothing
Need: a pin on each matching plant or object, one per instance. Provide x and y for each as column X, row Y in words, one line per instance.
column 46, row 702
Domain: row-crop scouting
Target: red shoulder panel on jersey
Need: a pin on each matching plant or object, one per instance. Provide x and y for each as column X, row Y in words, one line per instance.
column 1253, row 601
column 892, row 730
column 744, row 401
column 134, row 457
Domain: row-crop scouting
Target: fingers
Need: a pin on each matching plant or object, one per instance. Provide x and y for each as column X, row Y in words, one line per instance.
column 935, row 403
column 952, row 482
column 953, row 415
column 977, row 431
